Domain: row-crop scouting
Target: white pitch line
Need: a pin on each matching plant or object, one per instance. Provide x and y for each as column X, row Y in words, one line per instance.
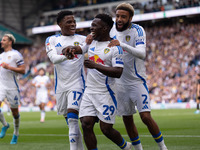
column 62, row 135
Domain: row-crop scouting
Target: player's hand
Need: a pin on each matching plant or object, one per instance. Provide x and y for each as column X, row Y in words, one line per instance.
column 89, row 39
column 89, row 64
column 114, row 43
column 68, row 52
column 5, row 65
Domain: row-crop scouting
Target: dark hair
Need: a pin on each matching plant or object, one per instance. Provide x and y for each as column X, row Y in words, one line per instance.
column 62, row 14
column 42, row 69
column 106, row 18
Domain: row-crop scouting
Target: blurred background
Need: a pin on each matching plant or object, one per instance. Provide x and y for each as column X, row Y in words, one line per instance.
column 173, row 43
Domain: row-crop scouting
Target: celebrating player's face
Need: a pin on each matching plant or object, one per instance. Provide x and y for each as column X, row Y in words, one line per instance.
column 123, row 20
column 5, row 42
column 68, row 25
column 96, row 29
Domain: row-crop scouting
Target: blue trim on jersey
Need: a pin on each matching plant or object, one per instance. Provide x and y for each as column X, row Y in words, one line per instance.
column 16, row 83
column 119, row 62
column 56, row 79
column 111, row 92
column 144, row 81
column 114, row 37
column 138, row 43
column 138, row 28
column 47, row 40
column 120, row 49
column 83, row 79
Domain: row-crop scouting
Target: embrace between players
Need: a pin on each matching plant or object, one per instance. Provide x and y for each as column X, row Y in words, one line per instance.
column 115, row 81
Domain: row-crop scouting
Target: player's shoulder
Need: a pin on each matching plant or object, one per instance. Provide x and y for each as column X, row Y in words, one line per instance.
column 137, row 28
column 16, row 52
column 118, row 49
column 52, row 37
column 79, row 36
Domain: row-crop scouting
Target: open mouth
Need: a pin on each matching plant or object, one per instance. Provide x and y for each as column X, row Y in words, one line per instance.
column 93, row 34
column 72, row 29
column 119, row 25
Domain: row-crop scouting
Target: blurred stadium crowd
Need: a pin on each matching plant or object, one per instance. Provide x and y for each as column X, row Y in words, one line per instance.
column 88, row 14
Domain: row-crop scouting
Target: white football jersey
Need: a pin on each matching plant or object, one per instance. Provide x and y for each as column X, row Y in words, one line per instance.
column 8, row 78
column 42, row 82
column 98, row 52
column 134, row 68
column 68, row 74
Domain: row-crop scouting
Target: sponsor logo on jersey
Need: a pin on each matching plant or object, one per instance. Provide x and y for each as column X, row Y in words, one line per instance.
column 58, row 45
column 119, row 61
column 48, row 47
column 76, row 43
column 96, row 59
column 92, row 49
column 75, row 103
column 106, row 50
column 139, row 41
column 128, row 38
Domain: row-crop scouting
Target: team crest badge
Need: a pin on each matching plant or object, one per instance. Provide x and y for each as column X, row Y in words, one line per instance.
column 76, row 43
column 128, row 38
column 106, row 50
column 9, row 57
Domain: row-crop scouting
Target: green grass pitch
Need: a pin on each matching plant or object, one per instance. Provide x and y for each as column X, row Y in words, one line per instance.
column 180, row 127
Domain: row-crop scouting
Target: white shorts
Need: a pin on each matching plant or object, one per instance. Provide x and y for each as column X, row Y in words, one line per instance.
column 41, row 98
column 128, row 97
column 68, row 99
column 101, row 105
column 12, row 96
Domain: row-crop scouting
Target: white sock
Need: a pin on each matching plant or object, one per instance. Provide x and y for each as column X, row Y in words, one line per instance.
column 80, row 141
column 16, row 123
column 73, row 133
column 162, row 144
column 42, row 115
column 2, row 119
column 138, row 147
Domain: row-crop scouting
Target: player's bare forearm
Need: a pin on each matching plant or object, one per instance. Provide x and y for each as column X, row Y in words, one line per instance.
column 70, row 51
column 114, row 43
column 114, row 72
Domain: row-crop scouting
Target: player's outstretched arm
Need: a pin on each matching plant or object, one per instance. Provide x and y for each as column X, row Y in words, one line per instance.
column 139, row 51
